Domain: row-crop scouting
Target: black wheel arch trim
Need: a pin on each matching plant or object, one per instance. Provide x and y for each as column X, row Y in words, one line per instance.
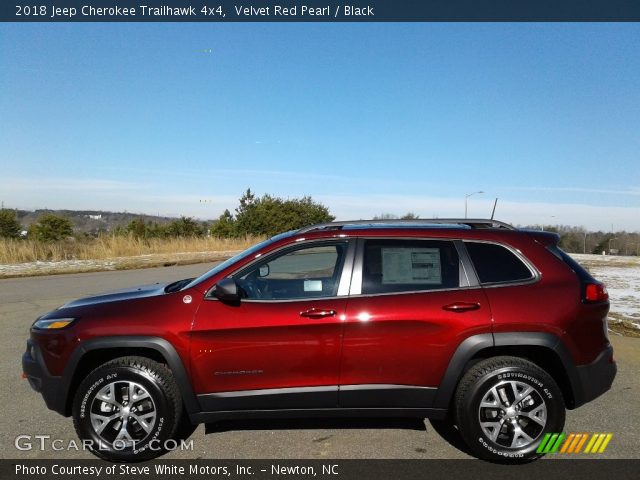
column 553, row 343
column 469, row 347
column 160, row 345
column 473, row 345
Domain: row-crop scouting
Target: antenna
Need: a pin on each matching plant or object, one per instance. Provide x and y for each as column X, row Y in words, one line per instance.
column 493, row 212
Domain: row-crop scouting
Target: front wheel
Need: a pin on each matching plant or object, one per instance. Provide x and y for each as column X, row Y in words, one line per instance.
column 504, row 406
column 127, row 409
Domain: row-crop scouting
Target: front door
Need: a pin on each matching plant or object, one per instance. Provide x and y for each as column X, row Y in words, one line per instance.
column 280, row 346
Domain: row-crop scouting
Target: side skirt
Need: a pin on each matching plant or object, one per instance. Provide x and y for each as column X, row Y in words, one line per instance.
column 375, row 400
column 210, row 417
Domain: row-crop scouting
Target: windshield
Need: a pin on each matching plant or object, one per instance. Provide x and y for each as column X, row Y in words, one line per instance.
column 227, row 263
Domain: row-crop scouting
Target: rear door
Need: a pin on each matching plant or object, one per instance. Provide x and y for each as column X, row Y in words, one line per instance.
column 412, row 303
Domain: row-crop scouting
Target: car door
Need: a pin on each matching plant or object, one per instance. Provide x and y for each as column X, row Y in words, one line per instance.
column 412, row 303
column 279, row 347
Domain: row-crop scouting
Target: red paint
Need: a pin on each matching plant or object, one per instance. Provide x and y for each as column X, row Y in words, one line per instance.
column 405, row 338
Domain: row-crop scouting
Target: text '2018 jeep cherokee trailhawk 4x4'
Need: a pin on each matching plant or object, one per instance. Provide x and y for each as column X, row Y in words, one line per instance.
column 494, row 329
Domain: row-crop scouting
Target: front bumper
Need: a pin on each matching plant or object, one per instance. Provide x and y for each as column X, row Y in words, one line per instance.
column 595, row 378
column 51, row 387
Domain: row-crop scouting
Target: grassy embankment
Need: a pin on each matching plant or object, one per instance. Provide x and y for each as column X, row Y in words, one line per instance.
column 26, row 257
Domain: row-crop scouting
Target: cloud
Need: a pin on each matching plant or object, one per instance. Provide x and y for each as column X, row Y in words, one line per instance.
column 633, row 191
column 15, row 185
column 186, row 198
column 110, row 195
column 347, row 207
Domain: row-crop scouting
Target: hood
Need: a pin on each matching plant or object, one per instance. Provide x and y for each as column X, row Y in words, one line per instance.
column 141, row 291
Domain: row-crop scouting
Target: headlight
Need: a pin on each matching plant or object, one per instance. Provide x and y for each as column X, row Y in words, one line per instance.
column 52, row 323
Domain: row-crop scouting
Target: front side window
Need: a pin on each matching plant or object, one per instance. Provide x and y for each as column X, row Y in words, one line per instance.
column 497, row 264
column 306, row 272
column 409, row 265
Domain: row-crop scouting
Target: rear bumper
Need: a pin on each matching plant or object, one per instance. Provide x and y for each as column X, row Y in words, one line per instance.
column 595, row 378
column 50, row 387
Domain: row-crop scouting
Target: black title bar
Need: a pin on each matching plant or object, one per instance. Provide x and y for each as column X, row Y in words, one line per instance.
column 204, row 469
column 320, row 11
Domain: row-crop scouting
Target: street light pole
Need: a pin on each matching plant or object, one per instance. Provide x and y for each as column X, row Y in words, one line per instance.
column 466, row 197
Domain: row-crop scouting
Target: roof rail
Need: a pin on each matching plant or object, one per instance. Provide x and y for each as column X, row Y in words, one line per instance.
column 472, row 223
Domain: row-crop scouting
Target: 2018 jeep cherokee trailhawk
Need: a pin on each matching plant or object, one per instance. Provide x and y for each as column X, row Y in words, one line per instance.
column 493, row 329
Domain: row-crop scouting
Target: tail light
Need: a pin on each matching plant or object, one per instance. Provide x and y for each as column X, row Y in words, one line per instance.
column 596, row 292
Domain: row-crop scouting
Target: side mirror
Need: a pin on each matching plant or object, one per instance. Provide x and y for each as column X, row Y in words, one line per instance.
column 227, row 291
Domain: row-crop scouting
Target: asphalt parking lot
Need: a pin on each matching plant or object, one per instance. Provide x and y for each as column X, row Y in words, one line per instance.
column 23, row 411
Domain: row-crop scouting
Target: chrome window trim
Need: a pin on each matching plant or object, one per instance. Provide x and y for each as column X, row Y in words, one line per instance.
column 536, row 275
column 413, row 292
column 466, row 267
column 356, row 277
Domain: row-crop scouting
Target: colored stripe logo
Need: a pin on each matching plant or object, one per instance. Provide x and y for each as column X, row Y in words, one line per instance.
column 574, row 443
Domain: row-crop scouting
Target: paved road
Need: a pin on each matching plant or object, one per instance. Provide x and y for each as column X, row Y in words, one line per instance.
column 22, row 411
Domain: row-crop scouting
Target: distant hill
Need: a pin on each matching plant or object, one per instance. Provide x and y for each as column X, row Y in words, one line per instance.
column 91, row 221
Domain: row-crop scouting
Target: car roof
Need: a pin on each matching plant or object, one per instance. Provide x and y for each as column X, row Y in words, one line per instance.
column 430, row 223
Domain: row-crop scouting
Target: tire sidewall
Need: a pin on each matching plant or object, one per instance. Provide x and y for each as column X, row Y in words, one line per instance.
column 545, row 386
column 152, row 445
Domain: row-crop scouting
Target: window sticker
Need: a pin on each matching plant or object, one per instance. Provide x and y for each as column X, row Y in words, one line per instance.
column 313, row 285
column 419, row 266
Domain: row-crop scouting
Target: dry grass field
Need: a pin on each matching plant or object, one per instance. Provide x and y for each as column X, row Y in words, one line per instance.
column 110, row 246
column 21, row 258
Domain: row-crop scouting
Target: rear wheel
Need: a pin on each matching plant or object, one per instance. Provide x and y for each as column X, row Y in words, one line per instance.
column 504, row 406
column 127, row 409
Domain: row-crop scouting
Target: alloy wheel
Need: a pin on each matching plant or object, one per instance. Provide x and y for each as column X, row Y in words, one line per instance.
column 512, row 414
column 123, row 413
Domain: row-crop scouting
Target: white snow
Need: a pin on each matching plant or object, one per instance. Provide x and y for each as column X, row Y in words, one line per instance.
column 621, row 275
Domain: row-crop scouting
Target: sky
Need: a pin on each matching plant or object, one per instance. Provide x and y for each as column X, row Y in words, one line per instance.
column 180, row 119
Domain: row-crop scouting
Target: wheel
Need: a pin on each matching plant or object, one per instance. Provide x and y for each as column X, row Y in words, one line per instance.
column 504, row 406
column 126, row 409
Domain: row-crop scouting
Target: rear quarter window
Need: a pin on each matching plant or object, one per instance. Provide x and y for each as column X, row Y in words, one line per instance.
column 582, row 273
column 497, row 264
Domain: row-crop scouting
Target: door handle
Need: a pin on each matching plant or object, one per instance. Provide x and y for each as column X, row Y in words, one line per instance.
column 461, row 307
column 317, row 313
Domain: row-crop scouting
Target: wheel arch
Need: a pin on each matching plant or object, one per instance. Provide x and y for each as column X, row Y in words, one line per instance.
column 92, row 353
column 543, row 349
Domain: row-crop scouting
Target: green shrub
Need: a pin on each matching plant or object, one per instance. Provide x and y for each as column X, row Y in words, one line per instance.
column 269, row 215
column 51, row 228
column 9, row 225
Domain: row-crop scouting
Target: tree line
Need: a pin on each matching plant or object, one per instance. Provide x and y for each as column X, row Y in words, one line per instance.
column 256, row 216
column 268, row 215
column 580, row 240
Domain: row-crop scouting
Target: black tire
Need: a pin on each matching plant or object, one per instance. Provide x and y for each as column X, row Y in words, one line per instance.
column 136, row 393
column 528, row 405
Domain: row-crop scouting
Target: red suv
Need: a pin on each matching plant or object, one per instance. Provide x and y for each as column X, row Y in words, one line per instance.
column 493, row 329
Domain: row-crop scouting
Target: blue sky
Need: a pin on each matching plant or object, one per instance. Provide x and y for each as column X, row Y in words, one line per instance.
column 366, row 118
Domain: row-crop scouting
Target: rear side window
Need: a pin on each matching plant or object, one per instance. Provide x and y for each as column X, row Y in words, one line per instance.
column 497, row 264
column 409, row 265
column 579, row 270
